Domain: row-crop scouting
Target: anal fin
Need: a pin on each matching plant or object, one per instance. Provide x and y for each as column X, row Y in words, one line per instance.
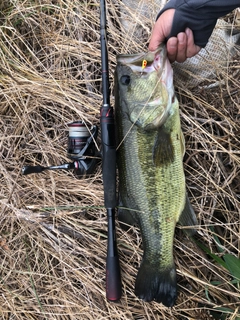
column 188, row 218
column 126, row 218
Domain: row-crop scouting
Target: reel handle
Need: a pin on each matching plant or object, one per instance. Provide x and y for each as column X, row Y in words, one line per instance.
column 38, row 169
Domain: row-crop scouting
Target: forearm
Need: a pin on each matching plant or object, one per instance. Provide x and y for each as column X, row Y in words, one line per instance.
column 198, row 15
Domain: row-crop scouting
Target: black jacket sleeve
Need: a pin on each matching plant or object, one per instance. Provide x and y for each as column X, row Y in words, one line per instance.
column 198, row 15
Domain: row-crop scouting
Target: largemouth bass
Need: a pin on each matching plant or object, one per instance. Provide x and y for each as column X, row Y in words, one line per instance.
column 150, row 162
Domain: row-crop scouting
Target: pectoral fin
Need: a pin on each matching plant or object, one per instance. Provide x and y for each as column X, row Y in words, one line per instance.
column 188, row 218
column 163, row 152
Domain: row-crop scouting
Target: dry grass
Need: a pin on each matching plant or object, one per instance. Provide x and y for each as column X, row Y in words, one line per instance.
column 53, row 227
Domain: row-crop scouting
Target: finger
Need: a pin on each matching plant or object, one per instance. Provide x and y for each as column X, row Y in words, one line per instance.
column 172, row 46
column 192, row 48
column 182, row 47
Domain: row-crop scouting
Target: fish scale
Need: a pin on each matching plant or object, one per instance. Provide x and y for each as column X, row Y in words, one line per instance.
column 151, row 175
column 148, row 183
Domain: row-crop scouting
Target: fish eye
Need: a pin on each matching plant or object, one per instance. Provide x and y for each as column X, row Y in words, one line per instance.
column 125, row 80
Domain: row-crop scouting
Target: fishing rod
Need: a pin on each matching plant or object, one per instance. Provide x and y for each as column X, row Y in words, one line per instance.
column 113, row 275
column 82, row 151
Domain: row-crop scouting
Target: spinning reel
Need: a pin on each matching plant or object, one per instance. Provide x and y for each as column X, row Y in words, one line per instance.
column 81, row 149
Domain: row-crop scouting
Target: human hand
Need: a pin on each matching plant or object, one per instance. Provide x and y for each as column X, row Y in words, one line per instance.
column 179, row 48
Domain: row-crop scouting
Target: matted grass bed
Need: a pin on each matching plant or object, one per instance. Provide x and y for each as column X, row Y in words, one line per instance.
column 53, row 234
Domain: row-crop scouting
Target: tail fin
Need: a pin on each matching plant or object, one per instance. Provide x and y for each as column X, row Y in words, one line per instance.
column 154, row 283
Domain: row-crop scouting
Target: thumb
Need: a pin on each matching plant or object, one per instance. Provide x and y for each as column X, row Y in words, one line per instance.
column 161, row 29
column 156, row 39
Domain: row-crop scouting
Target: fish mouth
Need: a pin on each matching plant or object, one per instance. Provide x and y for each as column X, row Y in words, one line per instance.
column 133, row 58
column 155, row 60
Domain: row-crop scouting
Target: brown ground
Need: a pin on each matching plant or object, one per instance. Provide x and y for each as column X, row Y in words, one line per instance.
column 53, row 227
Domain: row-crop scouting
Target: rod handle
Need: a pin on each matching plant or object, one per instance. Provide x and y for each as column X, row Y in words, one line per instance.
column 113, row 279
column 113, row 272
